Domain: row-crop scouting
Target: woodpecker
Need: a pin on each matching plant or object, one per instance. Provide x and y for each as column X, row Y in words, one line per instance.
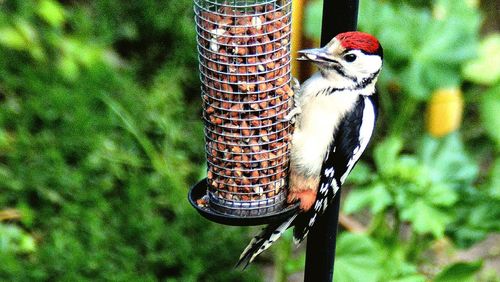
column 335, row 114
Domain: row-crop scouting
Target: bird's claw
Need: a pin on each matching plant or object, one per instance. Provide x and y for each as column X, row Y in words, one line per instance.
column 291, row 116
column 295, row 85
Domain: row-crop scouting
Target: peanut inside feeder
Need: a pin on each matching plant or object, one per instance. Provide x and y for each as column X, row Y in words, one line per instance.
column 244, row 55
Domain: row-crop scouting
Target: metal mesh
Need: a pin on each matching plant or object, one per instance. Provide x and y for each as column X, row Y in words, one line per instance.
column 244, row 55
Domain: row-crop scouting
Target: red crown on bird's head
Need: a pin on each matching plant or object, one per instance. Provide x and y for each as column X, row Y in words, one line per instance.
column 360, row 41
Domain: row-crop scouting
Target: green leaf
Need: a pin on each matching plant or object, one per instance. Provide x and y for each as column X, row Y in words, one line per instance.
column 398, row 41
column 425, row 218
column 485, row 69
column 12, row 38
column 444, row 44
column 376, row 197
column 52, row 12
column 396, row 267
column 441, row 195
column 494, row 189
column 358, row 259
column 357, row 200
column 459, row 272
column 386, row 154
column 477, row 217
column 15, row 240
column 412, row 278
column 460, row 20
column 447, row 162
column 489, row 109
column 409, row 169
column 68, row 68
column 360, row 174
column 427, row 149
column 438, row 75
column 415, row 86
column 27, row 217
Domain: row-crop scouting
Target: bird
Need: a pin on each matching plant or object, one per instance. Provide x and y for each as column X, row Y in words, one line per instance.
column 334, row 114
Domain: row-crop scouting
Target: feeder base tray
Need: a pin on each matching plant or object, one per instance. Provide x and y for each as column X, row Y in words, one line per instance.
column 200, row 189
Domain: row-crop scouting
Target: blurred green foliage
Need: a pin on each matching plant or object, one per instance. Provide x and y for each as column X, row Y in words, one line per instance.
column 417, row 190
column 100, row 137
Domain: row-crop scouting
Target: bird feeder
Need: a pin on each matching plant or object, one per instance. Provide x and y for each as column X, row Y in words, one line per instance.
column 245, row 63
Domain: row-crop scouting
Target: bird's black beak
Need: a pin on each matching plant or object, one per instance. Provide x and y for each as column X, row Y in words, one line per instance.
column 316, row 55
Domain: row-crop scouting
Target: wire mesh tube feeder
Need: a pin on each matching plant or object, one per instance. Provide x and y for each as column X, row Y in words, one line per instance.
column 244, row 61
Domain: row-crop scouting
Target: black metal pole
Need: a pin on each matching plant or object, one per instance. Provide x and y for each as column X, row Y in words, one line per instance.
column 338, row 16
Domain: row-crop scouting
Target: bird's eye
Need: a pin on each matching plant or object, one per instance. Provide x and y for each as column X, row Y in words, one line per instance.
column 350, row 58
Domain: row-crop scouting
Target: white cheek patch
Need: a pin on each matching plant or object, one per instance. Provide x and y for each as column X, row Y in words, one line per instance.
column 365, row 64
column 372, row 65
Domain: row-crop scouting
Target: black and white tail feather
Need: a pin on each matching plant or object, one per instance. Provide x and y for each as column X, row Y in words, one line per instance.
column 263, row 240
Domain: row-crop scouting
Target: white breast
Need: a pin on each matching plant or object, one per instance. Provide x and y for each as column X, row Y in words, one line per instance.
column 315, row 126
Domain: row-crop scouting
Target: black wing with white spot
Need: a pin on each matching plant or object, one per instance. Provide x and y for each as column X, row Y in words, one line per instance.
column 350, row 140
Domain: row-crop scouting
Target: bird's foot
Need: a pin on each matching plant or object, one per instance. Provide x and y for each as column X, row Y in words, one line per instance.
column 290, row 117
column 293, row 103
column 295, row 85
column 306, row 197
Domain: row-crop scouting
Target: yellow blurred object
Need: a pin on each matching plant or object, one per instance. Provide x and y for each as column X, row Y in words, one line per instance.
column 9, row 214
column 298, row 7
column 444, row 112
